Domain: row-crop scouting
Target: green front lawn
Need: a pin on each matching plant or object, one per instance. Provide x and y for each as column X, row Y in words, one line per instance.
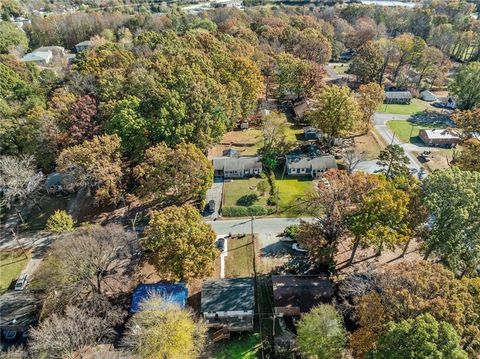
column 238, row 347
column 291, row 191
column 11, row 265
column 406, row 131
column 239, row 259
column 238, row 188
column 414, row 107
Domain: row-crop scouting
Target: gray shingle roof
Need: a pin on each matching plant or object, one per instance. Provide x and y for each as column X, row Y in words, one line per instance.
column 313, row 162
column 398, row 95
column 236, row 163
column 228, row 294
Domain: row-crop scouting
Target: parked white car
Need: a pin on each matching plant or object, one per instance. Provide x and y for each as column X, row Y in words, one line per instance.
column 21, row 282
column 297, row 247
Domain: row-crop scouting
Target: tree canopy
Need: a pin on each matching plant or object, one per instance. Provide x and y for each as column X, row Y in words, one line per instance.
column 163, row 330
column 321, row 333
column 420, row 337
column 180, row 244
column 453, row 199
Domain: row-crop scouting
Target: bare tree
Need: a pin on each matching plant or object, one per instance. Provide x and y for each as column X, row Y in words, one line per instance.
column 352, row 159
column 19, row 179
column 353, row 287
column 60, row 336
column 89, row 267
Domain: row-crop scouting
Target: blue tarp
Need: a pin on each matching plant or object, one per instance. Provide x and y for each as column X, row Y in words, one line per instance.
column 175, row 293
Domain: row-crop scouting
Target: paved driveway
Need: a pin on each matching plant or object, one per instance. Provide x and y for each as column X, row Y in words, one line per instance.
column 214, row 193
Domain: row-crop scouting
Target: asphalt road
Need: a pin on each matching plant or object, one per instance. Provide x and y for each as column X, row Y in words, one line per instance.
column 260, row 226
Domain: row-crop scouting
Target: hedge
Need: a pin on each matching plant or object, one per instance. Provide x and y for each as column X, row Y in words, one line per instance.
column 237, row 211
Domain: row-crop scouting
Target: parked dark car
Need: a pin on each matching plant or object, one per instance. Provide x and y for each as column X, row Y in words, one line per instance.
column 221, row 243
column 211, row 206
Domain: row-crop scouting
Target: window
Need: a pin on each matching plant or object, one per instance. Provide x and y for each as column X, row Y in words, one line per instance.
column 298, row 170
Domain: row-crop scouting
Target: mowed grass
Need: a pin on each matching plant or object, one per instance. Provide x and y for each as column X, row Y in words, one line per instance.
column 239, row 259
column 407, row 131
column 414, row 107
column 291, row 192
column 11, row 265
column 238, row 347
column 238, row 188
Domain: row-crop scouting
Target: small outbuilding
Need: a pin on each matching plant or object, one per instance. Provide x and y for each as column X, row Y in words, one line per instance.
column 294, row 295
column 440, row 137
column 299, row 109
column 428, row 96
column 310, row 133
column 398, row 97
column 82, row 46
column 175, row 293
column 229, row 303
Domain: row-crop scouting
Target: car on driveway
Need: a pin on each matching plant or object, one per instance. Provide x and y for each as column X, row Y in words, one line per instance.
column 220, row 244
column 21, row 282
column 211, row 206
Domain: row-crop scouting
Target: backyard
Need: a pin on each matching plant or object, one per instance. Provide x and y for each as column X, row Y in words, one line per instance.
column 414, row 107
column 11, row 265
column 248, row 142
column 243, row 346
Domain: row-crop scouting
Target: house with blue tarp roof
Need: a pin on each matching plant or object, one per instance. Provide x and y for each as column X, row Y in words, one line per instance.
column 176, row 293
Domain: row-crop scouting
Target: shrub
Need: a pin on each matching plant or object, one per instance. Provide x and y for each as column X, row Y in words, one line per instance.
column 247, row 200
column 262, row 187
column 237, row 211
column 60, row 222
column 272, row 200
column 291, row 231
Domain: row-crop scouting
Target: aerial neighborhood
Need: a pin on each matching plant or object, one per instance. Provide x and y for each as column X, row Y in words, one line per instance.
column 240, row 179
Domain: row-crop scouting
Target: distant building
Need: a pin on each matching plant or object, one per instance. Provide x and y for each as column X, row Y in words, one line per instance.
column 440, row 137
column 398, row 97
column 237, row 167
column 229, row 303
column 294, row 295
column 175, row 293
column 428, row 96
column 228, row 3
column 19, row 310
column 309, row 165
column 43, row 56
column 40, row 58
column 244, row 125
column 82, row 46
